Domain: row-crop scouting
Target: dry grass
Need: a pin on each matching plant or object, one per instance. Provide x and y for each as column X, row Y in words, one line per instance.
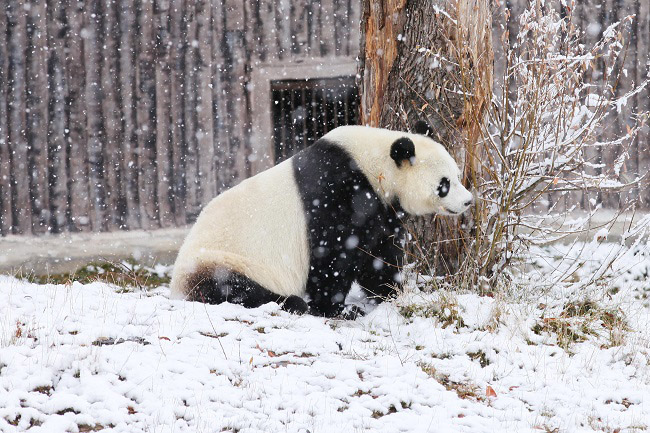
column 444, row 309
column 464, row 390
column 127, row 275
column 579, row 321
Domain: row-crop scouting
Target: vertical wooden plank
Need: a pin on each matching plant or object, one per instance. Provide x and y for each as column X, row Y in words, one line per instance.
column 110, row 108
column 146, row 114
column 163, row 106
column 602, row 21
column 129, row 167
column 268, row 46
column 191, row 156
column 95, row 134
column 353, row 21
column 281, row 143
column 282, row 28
column 238, row 112
column 220, row 96
column 347, row 27
column 298, row 25
column 176, row 100
column 313, row 18
column 205, row 129
column 57, row 176
column 5, row 159
column 78, row 194
column 17, row 44
column 636, row 79
column 642, row 101
column 37, row 95
column 610, row 200
column 305, row 113
column 254, row 32
column 341, row 26
column 314, row 114
column 327, row 25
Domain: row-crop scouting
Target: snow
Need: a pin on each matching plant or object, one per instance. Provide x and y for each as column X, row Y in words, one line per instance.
column 80, row 357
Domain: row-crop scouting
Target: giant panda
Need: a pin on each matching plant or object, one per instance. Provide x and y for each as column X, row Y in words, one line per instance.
column 302, row 232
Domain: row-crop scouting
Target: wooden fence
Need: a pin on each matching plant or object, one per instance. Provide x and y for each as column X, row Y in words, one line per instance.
column 123, row 114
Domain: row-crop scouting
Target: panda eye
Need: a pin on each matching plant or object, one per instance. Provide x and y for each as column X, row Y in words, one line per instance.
column 443, row 188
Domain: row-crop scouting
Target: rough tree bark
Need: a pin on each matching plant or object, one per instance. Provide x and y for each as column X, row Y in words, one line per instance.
column 429, row 60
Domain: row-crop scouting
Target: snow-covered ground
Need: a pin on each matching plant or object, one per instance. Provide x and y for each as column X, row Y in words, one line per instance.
column 94, row 358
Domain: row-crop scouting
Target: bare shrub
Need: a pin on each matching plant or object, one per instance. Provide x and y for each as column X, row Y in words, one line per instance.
column 537, row 163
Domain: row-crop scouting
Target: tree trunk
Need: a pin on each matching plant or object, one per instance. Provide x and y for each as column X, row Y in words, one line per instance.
column 430, row 60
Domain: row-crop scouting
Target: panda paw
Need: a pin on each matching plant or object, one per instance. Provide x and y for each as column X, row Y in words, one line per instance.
column 295, row 305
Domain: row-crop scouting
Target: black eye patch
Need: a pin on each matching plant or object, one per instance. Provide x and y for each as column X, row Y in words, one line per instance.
column 443, row 188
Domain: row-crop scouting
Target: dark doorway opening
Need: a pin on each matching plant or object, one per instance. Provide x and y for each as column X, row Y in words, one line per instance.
column 305, row 110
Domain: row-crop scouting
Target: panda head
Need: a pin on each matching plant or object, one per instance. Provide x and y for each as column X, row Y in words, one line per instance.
column 426, row 179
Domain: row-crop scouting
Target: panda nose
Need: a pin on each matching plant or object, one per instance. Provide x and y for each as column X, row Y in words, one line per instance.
column 468, row 202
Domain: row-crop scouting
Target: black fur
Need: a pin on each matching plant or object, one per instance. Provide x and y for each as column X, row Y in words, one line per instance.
column 402, row 150
column 238, row 289
column 353, row 236
column 423, row 128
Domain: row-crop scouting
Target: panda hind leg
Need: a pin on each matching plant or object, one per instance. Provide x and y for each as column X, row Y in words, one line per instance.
column 236, row 288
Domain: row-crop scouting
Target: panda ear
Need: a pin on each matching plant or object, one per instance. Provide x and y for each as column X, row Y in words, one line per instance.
column 402, row 150
column 423, row 128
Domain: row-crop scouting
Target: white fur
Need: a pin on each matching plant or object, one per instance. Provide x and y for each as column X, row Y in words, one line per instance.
column 416, row 182
column 257, row 228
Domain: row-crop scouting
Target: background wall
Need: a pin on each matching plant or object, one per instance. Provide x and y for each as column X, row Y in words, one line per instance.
column 124, row 114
